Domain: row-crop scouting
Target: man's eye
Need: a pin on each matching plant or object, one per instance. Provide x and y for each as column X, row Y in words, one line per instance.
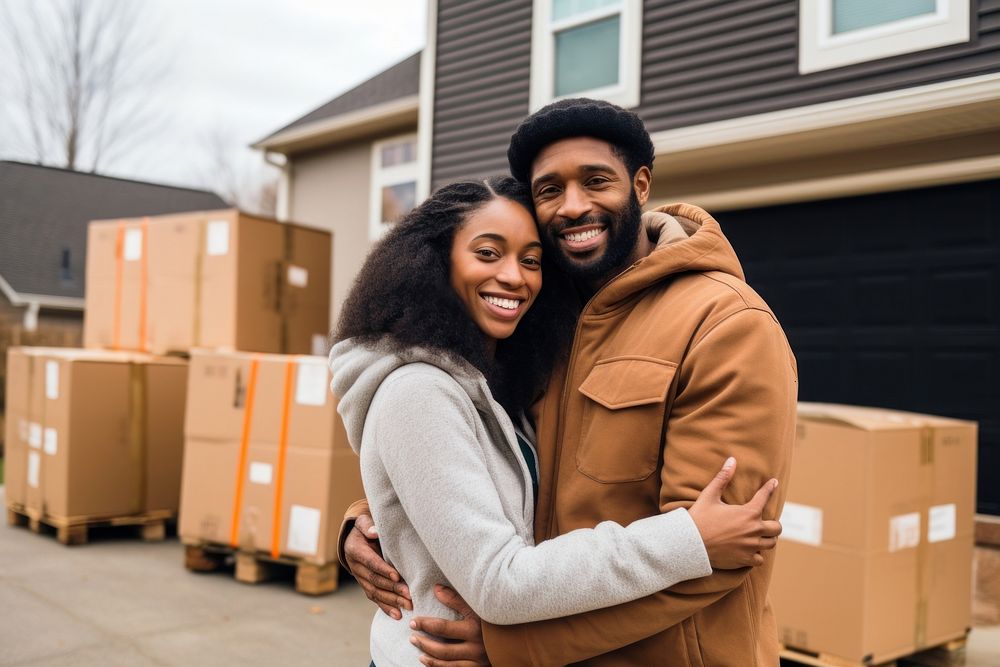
column 547, row 191
column 597, row 180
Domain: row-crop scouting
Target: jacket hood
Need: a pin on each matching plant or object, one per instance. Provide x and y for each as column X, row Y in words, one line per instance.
column 687, row 239
column 359, row 367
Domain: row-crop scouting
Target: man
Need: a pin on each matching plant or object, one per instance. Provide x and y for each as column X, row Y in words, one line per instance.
column 676, row 364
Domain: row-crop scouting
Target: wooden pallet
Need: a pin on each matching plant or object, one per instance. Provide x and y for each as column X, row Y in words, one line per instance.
column 151, row 526
column 255, row 567
column 949, row 654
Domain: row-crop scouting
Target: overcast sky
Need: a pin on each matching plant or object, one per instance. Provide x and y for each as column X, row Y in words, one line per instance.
column 240, row 69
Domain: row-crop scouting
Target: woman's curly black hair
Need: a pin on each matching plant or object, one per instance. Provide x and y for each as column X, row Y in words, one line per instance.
column 403, row 294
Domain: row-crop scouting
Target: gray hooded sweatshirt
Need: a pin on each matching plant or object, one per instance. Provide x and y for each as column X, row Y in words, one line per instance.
column 451, row 495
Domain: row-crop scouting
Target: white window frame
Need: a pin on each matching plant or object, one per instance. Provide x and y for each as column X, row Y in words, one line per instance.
column 385, row 176
column 626, row 92
column 820, row 49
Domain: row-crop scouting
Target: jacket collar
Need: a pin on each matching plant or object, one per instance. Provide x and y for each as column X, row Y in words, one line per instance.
column 687, row 238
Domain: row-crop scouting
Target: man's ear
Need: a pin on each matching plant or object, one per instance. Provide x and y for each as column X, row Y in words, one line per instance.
column 642, row 183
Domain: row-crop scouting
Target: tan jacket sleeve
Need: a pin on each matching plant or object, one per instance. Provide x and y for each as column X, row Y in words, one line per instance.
column 736, row 395
column 356, row 509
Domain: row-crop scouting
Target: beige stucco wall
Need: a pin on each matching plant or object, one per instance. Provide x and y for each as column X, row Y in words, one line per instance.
column 330, row 189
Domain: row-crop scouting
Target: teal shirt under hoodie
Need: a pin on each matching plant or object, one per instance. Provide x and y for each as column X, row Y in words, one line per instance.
column 451, row 494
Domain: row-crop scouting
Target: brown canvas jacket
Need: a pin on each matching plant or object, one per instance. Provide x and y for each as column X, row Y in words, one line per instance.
column 677, row 364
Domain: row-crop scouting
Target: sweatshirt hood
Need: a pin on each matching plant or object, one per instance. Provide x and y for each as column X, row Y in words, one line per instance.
column 359, row 367
column 687, row 239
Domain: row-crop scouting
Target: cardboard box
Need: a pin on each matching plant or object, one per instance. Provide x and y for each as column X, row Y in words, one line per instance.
column 93, row 434
column 875, row 558
column 267, row 465
column 216, row 279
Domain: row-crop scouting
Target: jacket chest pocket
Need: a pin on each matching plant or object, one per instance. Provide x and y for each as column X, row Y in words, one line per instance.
column 623, row 418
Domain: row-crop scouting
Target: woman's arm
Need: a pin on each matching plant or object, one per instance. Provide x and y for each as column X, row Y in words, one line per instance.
column 424, row 431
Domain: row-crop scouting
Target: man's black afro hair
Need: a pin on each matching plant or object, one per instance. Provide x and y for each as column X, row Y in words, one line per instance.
column 580, row 117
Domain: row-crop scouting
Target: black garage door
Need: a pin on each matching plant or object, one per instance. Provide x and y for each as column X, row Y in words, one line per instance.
column 889, row 300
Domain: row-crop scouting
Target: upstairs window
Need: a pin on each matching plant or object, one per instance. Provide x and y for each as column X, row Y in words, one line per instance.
column 835, row 33
column 394, row 183
column 586, row 48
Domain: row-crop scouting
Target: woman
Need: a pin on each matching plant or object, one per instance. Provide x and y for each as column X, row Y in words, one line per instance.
column 445, row 341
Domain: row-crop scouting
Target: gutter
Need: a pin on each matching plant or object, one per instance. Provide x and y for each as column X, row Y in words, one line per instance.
column 39, row 300
column 344, row 126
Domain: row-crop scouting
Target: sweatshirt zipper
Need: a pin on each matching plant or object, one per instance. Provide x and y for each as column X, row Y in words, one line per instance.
column 565, row 398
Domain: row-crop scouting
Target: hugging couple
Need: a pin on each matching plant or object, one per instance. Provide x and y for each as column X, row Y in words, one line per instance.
column 551, row 464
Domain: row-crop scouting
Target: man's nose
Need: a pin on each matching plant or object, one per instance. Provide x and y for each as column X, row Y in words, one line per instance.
column 575, row 203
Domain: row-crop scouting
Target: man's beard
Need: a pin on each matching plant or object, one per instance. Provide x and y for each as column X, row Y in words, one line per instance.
column 623, row 231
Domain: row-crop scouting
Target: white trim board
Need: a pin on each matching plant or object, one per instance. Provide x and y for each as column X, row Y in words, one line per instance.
column 425, row 114
column 869, row 182
column 839, row 113
column 18, row 299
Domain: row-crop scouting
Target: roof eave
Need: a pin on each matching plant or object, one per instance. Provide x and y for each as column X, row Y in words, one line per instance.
column 43, row 300
column 371, row 120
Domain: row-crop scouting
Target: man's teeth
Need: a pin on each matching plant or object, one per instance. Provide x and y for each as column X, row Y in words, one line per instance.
column 583, row 236
column 507, row 304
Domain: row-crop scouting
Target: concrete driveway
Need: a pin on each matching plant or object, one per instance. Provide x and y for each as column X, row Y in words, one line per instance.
column 120, row 601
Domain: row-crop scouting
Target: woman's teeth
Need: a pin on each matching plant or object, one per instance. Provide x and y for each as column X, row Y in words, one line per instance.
column 582, row 236
column 507, row 304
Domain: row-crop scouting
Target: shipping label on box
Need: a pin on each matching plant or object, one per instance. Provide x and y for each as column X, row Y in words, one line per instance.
column 802, row 523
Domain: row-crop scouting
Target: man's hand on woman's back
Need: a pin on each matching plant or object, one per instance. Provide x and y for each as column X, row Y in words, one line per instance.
column 380, row 581
column 383, row 586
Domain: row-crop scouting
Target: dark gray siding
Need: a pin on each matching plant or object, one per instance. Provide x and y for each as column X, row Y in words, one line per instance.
column 481, row 88
column 703, row 61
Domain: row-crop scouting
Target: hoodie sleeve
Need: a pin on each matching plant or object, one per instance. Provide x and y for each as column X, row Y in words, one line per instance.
column 436, row 465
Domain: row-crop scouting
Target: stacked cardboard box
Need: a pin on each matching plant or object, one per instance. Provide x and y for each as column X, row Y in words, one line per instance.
column 216, row 279
column 267, row 466
column 875, row 559
column 93, row 434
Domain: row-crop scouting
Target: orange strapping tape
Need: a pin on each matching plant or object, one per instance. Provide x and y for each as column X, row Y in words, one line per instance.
column 279, row 480
column 119, row 260
column 234, row 531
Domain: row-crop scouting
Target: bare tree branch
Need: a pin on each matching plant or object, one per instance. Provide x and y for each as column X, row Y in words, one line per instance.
column 84, row 78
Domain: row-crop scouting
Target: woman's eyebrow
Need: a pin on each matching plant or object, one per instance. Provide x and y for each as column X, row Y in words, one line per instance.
column 490, row 235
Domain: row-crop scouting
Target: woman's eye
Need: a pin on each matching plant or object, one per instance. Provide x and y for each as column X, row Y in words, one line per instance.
column 532, row 261
column 488, row 253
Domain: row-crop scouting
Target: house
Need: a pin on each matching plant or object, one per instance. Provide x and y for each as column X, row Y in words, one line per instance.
column 850, row 149
column 44, row 213
column 350, row 167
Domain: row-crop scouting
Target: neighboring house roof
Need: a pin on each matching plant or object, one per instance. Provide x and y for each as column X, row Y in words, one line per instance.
column 44, row 213
column 387, row 99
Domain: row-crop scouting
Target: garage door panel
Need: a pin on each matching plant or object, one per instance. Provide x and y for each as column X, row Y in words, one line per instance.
column 877, row 375
column 883, row 299
column 964, row 296
column 811, row 302
column 889, row 300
